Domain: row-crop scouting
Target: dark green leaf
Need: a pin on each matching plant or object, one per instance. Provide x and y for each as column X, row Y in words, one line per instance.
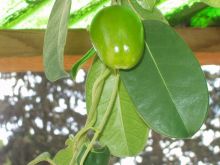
column 55, row 39
column 125, row 133
column 153, row 14
column 168, row 86
column 42, row 157
column 99, row 156
column 81, row 61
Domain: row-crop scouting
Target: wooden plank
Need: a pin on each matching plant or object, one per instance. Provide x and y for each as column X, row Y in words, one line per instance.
column 33, row 63
column 21, row 50
column 16, row 43
column 201, row 39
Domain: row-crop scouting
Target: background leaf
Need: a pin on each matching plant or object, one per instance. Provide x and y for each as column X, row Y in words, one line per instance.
column 42, row 157
column 125, row 133
column 79, row 63
column 168, row 87
column 145, row 14
column 64, row 156
column 55, row 39
column 213, row 3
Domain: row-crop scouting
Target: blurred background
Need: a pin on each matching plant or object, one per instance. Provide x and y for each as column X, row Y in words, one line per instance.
column 37, row 115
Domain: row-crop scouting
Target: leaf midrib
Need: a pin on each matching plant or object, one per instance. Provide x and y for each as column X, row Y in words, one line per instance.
column 121, row 119
column 164, row 82
column 60, row 25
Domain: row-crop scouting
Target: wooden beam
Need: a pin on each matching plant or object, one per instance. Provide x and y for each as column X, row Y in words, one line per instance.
column 33, row 63
column 21, row 50
column 17, row 43
column 202, row 39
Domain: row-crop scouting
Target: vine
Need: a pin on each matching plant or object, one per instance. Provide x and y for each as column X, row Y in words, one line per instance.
column 96, row 94
column 104, row 120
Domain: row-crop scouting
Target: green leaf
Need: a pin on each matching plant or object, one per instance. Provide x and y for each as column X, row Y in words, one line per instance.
column 64, row 156
column 213, row 3
column 55, row 39
column 98, row 156
column 144, row 14
column 147, row 4
column 125, row 133
column 168, row 86
column 42, row 157
column 81, row 61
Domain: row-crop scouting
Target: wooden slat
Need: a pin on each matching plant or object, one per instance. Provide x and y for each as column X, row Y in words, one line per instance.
column 33, row 63
column 16, row 43
column 201, row 40
column 21, row 50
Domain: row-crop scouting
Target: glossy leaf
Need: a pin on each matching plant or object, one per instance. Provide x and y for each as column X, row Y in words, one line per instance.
column 144, row 14
column 80, row 62
column 42, row 157
column 55, row 39
column 213, row 3
column 168, row 86
column 125, row 133
column 99, row 156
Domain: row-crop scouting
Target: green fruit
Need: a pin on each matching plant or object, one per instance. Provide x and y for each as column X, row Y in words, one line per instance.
column 117, row 34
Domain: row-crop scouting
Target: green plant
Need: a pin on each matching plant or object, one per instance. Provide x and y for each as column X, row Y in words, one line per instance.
column 166, row 91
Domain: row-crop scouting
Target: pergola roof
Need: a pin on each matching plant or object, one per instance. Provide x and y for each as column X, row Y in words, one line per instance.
column 33, row 14
column 21, row 49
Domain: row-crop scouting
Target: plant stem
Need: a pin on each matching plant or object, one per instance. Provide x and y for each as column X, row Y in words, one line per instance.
column 96, row 94
column 104, row 120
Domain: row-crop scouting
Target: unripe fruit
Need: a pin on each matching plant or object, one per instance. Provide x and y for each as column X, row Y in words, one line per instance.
column 117, row 34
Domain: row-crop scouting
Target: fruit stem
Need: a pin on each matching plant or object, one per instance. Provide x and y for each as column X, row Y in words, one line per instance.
column 104, row 120
column 96, row 94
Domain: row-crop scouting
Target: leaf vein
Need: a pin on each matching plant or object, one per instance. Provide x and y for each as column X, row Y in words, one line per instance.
column 164, row 82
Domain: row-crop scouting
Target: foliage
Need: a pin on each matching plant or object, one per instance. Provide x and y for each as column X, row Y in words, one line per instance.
column 124, row 119
column 57, row 31
column 167, row 65
column 78, row 64
column 122, row 104
column 145, row 14
column 208, row 17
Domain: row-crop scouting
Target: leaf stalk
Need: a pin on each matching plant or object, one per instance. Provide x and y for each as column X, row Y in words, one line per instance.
column 96, row 94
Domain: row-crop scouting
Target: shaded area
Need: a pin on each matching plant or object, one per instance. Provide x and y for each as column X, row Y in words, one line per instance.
column 37, row 116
